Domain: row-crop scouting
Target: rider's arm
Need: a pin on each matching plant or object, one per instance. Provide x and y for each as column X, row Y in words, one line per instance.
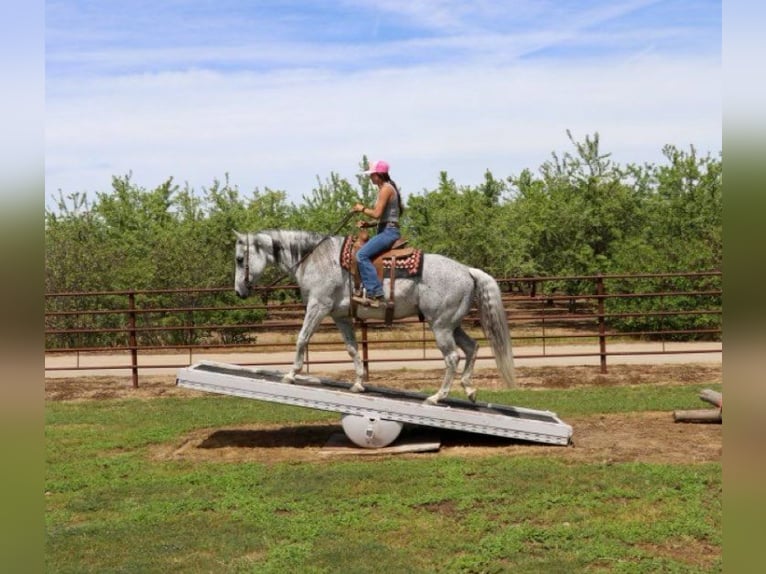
column 380, row 205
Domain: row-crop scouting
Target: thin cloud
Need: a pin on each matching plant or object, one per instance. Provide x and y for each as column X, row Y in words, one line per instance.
column 462, row 87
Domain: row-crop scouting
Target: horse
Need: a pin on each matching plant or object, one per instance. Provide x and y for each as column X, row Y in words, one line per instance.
column 443, row 294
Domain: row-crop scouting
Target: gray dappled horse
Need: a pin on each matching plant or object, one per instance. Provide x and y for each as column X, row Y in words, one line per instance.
column 443, row 294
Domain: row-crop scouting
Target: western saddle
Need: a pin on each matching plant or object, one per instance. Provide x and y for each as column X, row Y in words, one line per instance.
column 385, row 261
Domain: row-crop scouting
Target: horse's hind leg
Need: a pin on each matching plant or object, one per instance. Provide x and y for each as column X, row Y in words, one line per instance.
column 471, row 350
column 346, row 328
column 446, row 343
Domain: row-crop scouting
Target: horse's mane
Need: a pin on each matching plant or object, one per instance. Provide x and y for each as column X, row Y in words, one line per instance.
column 290, row 246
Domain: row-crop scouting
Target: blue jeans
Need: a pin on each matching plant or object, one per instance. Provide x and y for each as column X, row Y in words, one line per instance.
column 374, row 246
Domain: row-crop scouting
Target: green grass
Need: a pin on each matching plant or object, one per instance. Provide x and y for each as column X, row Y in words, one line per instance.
column 596, row 400
column 112, row 507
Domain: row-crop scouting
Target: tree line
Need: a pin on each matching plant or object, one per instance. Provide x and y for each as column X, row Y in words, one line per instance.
column 579, row 213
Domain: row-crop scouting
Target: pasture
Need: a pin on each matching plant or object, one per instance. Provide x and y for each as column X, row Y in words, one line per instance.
column 161, row 479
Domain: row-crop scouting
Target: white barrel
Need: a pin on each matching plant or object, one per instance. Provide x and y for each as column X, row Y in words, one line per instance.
column 369, row 431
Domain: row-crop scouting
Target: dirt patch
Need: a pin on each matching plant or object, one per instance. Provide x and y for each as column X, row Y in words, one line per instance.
column 607, row 438
column 106, row 388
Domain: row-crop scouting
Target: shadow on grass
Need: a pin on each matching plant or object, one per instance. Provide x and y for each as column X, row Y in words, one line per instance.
column 316, row 436
column 301, row 436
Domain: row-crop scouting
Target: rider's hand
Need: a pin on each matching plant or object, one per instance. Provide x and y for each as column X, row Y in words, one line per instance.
column 358, row 208
column 361, row 224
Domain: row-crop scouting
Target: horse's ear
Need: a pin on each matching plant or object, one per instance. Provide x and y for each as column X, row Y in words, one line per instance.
column 238, row 235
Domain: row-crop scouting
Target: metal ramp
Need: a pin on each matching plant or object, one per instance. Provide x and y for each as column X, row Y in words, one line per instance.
column 373, row 419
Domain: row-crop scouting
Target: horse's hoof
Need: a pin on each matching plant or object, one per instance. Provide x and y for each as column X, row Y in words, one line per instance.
column 357, row 388
column 288, row 378
column 432, row 400
column 471, row 394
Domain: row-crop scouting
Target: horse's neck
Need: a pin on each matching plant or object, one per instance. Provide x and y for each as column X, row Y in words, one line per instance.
column 293, row 249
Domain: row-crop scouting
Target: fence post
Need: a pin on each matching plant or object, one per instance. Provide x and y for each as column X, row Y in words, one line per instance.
column 365, row 351
column 132, row 339
column 601, row 322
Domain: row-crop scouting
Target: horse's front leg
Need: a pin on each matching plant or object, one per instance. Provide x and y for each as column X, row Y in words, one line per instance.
column 346, row 328
column 315, row 312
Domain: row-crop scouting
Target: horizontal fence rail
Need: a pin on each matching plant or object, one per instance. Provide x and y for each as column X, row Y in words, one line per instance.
column 549, row 317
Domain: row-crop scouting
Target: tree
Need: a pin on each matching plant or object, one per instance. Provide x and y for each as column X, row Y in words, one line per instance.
column 327, row 206
column 469, row 224
column 575, row 213
column 682, row 226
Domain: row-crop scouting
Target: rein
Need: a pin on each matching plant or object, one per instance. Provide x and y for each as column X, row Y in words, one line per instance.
column 287, row 273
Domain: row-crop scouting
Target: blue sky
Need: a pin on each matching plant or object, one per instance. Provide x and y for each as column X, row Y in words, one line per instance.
column 277, row 93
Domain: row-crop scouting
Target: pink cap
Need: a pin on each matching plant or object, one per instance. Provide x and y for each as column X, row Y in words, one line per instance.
column 379, row 166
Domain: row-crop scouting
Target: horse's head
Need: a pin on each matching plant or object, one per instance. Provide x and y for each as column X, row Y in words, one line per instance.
column 250, row 259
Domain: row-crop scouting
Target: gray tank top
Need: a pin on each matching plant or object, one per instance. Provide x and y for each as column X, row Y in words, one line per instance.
column 391, row 211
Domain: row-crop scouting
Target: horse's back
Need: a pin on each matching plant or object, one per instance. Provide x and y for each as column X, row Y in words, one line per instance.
column 440, row 268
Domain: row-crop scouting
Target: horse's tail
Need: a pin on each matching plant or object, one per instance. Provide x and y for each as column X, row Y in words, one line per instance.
column 494, row 322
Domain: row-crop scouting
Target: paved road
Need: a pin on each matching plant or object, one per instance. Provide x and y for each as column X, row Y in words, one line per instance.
column 527, row 356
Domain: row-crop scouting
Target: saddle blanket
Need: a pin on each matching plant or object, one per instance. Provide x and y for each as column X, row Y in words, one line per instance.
column 406, row 267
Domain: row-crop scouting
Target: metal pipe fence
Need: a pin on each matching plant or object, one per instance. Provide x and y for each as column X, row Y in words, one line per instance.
column 568, row 316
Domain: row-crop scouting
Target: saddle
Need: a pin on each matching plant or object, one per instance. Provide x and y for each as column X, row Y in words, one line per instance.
column 400, row 261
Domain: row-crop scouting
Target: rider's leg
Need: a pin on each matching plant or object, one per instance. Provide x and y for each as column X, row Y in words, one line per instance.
column 364, row 256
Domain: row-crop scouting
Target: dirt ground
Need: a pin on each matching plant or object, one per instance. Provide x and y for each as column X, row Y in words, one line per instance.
column 607, row 438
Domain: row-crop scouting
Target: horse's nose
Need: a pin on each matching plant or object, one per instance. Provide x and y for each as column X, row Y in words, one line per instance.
column 240, row 294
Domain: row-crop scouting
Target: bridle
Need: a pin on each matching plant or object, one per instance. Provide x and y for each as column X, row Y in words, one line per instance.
column 248, row 283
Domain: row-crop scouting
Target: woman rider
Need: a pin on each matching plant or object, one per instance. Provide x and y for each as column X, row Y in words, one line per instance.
column 388, row 208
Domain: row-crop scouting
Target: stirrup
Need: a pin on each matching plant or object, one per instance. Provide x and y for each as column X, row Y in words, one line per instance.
column 368, row 301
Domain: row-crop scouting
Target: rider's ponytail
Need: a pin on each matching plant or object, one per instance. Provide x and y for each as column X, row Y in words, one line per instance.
column 398, row 196
column 387, row 178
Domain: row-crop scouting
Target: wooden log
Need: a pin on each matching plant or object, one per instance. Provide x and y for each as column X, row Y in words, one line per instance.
column 713, row 397
column 698, row 416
